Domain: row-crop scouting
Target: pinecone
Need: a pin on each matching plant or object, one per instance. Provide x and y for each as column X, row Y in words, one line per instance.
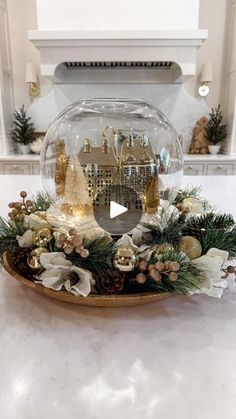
column 111, row 282
column 195, row 230
column 19, row 261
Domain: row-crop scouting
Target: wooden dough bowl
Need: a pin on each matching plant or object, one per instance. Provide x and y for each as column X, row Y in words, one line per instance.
column 121, row 300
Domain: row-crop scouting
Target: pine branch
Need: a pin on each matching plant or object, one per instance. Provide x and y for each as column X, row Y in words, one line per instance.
column 189, row 278
column 191, row 192
column 211, row 221
column 9, row 230
column 42, row 201
column 101, row 251
column 221, row 239
column 169, row 234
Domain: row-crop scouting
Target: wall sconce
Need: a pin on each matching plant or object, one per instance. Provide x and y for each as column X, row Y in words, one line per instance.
column 32, row 79
column 205, row 79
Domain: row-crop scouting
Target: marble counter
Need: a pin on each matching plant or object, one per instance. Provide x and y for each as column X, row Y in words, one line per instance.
column 173, row 359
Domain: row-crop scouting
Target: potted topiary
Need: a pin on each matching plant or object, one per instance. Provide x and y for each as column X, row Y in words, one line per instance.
column 215, row 131
column 23, row 130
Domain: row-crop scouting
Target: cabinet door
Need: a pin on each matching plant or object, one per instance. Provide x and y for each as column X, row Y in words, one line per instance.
column 35, row 168
column 220, row 169
column 193, row 168
column 16, row 168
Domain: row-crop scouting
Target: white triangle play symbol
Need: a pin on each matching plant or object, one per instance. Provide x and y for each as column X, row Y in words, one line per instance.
column 116, row 209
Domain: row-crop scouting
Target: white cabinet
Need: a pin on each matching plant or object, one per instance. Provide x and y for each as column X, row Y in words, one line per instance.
column 20, row 166
column 220, row 169
column 193, row 168
column 209, row 165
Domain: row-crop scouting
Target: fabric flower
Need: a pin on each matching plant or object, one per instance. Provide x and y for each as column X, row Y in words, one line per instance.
column 210, row 265
column 33, row 222
column 26, row 240
column 127, row 241
column 194, row 205
column 61, row 272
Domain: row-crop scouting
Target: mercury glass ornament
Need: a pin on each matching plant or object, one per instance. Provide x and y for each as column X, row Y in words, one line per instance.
column 101, row 142
column 124, row 259
column 191, row 246
column 33, row 259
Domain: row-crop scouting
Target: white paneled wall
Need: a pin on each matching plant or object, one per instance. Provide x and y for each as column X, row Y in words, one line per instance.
column 230, row 91
column 117, row 14
column 6, row 103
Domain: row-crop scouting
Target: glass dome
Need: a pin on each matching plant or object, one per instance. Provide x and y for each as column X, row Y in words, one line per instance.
column 97, row 143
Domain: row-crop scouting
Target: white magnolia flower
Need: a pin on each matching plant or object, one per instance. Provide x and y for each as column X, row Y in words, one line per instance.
column 34, row 222
column 211, row 267
column 26, row 240
column 194, row 205
column 126, row 241
column 61, row 272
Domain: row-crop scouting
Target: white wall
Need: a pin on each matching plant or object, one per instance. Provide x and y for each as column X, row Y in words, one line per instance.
column 21, row 17
column 212, row 16
column 117, row 14
column 182, row 107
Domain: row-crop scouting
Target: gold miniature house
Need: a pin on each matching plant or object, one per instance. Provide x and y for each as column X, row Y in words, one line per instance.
column 133, row 167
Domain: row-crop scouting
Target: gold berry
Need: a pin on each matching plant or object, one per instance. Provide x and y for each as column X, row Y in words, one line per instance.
column 151, row 267
column 159, row 266
column 174, row 266
column 173, row 276
column 154, row 274
column 84, row 253
column 143, row 265
column 141, row 278
column 23, row 194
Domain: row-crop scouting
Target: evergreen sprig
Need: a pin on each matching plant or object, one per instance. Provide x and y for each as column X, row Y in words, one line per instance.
column 169, row 234
column 211, row 221
column 9, row 230
column 23, row 127
column 189, row 278
column 190, row 192
column 215, row 130
column 42, row 201
column 101, row 250
column 221, row 239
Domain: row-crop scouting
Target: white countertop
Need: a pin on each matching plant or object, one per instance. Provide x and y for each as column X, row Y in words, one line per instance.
column 173, row 359
column 187, row 157
column 209, row 158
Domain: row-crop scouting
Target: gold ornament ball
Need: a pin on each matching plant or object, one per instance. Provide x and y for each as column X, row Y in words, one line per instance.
column 33, row 259
column 191, row 246
column 124, row 259
column 42, row 237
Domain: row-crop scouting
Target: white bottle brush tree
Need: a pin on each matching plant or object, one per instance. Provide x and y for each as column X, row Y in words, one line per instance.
column 23, row 127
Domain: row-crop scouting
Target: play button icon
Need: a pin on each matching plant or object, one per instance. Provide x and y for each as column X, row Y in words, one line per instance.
column 118, row 209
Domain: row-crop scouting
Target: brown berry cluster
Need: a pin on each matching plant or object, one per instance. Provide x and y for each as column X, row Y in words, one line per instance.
column 72, row 242
column 157, row 271
column 21, row 208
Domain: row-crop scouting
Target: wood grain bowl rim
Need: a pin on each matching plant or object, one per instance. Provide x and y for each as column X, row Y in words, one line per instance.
column 120, row 300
